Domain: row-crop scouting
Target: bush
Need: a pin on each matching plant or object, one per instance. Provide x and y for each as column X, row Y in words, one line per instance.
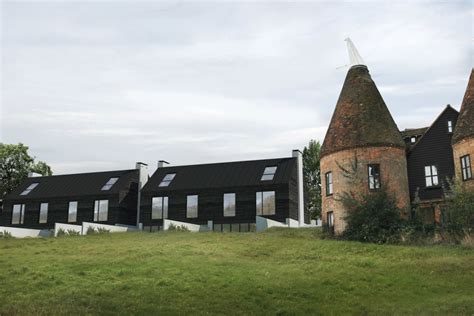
column 5, row 235
column 458, row 214
column 372, row 217
column 100, row 230
column 61, row 232
column 178, row 228
column 72, row 232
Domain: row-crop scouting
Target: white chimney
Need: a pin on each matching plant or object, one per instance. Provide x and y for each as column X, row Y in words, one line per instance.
column 299, row 165
column 162, row 163
column 142, row 180
column 34, row 174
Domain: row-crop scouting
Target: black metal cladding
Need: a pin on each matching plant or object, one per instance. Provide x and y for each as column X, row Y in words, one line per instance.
column 84, row 188
column 433, row 148
column 211, row 181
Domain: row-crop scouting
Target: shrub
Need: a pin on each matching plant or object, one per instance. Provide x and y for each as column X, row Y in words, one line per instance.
column 178, row 228
column 99, row 230
column 72, row 232
column 5, row 235
column 372, row 217
column 458, row 214
column 61, row 232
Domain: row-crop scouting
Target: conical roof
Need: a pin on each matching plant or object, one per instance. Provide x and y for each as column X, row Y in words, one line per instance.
column 361, row 118
column 465, row 123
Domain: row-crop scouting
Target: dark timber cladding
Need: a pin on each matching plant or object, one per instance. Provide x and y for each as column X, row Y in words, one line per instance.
column 211, row 181
column 465, row 126
column 84, row 188
column 432, row 149
column 361, row 118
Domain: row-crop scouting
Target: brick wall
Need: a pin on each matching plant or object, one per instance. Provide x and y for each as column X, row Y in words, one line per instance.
column 462, row 148
column 393, row 170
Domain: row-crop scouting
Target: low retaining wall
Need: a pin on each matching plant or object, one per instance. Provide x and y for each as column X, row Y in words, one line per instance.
column 25, row 232
column 111, row 228
column 263, row 223
column 191, row 227
column 66, row 228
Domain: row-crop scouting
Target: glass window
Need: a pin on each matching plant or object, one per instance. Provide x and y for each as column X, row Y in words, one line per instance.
column 167, row 180
column 265, row 202
column 269, row 173
column 330, row 216
column 450, row 126
column 329, row 183
column 109, row 184
column 159, row 207
column 431, row 176
column 466, row 169
column 229, row 204
column 18, row 214
column 43, row 215
column 192, row 206
column 29, row 189
column 101, row 210
column 72, row 212
column 374, row 177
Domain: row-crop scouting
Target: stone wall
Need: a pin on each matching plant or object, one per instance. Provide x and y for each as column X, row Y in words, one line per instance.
column 462, row 148
column 393, row 171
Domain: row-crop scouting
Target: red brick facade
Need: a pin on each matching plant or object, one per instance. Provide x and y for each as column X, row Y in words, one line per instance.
column 462, row 148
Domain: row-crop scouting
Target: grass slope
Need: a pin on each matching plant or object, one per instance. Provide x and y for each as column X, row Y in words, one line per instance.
column 281, row 271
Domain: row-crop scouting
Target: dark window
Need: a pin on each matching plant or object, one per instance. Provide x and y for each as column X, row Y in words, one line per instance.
column 229, row 204
column 159, row 207
column 109, row 184
column 329, row 183
column 450, row 126
column 167, row 180
column 268, row 173
column 466, row 167
column 431, row 176
column 29, row 189
column 43, row 216
column 18, row 214
column 330, row 219
column 265, row 202
column 192, row 206
column 72, row 212
column 374, row 177
column 101, row 210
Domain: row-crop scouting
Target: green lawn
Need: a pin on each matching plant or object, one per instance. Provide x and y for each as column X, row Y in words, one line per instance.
column 281, row 271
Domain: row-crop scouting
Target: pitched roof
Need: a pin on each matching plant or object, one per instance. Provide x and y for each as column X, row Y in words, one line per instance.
column 361, row 117
column 409, row 132
column 465, row 124
column 221, row 175
column 74, row 185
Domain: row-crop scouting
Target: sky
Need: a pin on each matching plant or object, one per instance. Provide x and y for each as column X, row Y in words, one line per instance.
column 98, row 85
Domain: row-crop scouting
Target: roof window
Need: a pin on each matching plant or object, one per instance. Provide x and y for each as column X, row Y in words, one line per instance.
column 269, row 173
column 167, row 180
column 109, row 184
column 29, row 188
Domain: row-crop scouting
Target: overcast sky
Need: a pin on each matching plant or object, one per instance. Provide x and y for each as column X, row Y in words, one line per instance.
column 98, row 85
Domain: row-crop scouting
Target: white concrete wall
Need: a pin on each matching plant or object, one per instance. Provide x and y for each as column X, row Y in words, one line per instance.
column 25, row 232
column 292, row 223
column 66, row 227
column 263, row 223
column 111, row 228
column 191, row 227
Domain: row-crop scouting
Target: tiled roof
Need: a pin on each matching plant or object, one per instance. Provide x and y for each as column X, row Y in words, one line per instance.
column 465, row 124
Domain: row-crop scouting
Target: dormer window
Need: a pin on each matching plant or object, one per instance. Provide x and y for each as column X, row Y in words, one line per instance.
column 269, row 173
column 29, row 189
column 167, row 180
column 109, row 184
column 450, row 126
column 413, row 140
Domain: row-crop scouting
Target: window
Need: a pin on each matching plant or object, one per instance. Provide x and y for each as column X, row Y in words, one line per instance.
column 268, row 173
column 374, row 177
column 330, row 219
column 18, row 214
column 229, row 204
column 192, row 206
column 328, row 183
column 431, row 176
column 450, row 126
column 29, row 189
column 159, row 207
column 265, row 202
column 466, row 167
column 167, row 180
column 109, row 184
column 43, row 215
column 72, row 212
column 413, row 140
column 101, row 210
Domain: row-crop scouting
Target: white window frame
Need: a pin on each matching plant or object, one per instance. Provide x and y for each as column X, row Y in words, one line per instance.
column 431, row 176
column 159, row 207
column 328, row 178
column 466, row 167
column 450, row 126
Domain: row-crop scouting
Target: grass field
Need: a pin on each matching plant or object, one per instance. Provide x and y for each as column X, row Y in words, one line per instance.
column 277, row 272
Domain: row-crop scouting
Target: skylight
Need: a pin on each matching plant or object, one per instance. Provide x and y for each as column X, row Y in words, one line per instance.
column 269, row 173
column 167, row 180
column 29, row 189
column 109, row 184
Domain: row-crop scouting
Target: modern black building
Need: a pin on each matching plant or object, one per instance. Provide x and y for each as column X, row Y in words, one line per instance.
column 103, row 197
column 230, row 194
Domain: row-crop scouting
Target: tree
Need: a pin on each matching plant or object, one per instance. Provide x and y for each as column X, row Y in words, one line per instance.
column 312, row 177
column 15, row 164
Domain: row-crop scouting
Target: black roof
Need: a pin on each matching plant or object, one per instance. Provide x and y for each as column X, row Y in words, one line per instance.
column 221, row 175
column 74, row 184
